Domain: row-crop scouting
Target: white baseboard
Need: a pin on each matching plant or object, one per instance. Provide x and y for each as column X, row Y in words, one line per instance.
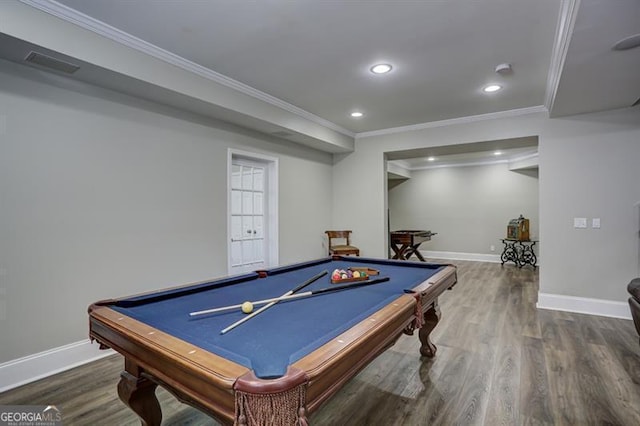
column 30, row 368
column 583, row 305
column 452, row 255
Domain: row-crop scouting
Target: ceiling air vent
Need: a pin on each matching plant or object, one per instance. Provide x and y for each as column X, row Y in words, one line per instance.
column 51, row 63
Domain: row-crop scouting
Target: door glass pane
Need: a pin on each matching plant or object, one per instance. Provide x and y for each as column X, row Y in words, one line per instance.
column 236, row 227
column 235, row 176
column 258, row 179
column 257, row 203
column 247, row 227
column 247, row 202
column 247, row 180
column 236, row 202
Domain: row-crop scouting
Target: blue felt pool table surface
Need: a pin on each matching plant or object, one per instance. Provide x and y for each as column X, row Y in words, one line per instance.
column 287, row 331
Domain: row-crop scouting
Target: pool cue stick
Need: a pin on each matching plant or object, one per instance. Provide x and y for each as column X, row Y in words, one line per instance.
column 267, row 306
column 295, row 296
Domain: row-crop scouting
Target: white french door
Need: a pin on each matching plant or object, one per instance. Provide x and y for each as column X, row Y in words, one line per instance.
column 251, row 219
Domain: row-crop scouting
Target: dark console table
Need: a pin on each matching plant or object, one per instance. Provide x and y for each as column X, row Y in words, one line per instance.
column 519, row 252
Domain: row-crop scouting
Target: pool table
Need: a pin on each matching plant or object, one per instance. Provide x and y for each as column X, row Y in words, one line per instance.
column 279, row 366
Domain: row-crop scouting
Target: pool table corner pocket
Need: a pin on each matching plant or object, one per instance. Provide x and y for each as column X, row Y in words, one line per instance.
column 272, row 401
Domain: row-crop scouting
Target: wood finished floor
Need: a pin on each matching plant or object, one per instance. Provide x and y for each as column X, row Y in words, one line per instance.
column 500, row 361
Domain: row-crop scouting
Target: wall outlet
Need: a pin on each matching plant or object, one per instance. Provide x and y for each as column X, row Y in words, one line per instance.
column 595, row 223
column 492, row 247
column 579, row 222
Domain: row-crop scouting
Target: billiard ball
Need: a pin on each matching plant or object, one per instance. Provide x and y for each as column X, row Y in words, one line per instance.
column 247, row 307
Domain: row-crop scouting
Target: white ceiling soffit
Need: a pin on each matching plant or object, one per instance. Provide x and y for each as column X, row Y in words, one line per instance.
column 527, row 143
column 283, row 71
column 428, row 83
column 594, row 76
column 116, row 67
column 516, row 159
column 317, row 55
column 519, row 153
column 71, row 15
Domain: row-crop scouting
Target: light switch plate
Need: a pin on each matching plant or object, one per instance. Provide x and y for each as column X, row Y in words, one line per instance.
column 595, row 223
column 579, row 222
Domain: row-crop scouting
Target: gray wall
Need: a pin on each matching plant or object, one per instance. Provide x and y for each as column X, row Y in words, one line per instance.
column 102, row 195
column 588, row 167
column 469, row 207
column 593, row 172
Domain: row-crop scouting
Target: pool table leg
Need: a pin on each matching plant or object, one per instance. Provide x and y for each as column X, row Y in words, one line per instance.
column 138, row 393
column 431, row 318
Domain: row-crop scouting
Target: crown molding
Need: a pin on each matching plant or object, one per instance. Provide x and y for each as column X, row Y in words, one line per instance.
column 452, row 121
column 566, row 23
column 84, row 21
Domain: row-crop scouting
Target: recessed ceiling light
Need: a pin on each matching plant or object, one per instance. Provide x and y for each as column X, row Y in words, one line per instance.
column 492, row 88
column 381, row 68
column 356, row 114
column 431, row 159
column 497, row 153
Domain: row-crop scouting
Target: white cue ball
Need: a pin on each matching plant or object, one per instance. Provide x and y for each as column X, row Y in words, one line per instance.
column 247, row 307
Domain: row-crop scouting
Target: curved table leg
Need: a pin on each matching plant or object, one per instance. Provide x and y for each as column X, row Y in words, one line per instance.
column 138, row 393
column 527, row 255
column 510, row 253
column 431, row 318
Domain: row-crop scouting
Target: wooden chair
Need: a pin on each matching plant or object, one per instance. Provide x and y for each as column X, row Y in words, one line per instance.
column 341, row 249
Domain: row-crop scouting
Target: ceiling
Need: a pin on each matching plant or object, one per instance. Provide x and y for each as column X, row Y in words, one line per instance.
column 312, row 58
column 316, row 55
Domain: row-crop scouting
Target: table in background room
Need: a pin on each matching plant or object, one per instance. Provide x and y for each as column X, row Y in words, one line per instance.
column 519, row 252
column 405, row 243
column 279, row 366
